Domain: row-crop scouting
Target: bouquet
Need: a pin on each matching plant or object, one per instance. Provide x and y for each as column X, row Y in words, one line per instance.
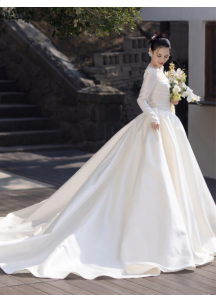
column 178, row 88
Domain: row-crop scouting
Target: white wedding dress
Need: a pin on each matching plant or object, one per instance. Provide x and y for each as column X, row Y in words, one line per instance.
column 138, row 206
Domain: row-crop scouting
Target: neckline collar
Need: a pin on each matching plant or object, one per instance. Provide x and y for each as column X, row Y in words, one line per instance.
column 162, row 68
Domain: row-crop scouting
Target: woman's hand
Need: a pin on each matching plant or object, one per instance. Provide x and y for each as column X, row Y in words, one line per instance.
column 174, row 102
column 155, row 125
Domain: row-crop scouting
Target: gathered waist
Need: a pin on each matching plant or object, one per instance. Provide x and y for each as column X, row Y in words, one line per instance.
column 165, row 107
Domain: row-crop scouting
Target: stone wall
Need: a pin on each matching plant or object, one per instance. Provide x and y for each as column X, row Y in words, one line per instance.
column 121, row 69
column 86, row 113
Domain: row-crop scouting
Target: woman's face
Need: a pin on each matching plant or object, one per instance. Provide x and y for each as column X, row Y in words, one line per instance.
column 159, row 56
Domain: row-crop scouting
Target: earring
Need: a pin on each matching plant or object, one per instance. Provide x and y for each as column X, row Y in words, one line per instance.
column 150, row 53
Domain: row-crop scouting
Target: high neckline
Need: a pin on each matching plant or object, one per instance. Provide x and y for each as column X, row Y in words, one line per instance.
column 162, row 68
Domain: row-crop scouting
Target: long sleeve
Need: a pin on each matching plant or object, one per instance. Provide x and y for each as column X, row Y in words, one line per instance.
column 149, row 82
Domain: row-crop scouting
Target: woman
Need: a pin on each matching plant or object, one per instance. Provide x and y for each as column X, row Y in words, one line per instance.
column 138, row 206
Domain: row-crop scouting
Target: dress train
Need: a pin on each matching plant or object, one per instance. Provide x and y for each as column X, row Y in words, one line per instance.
column 138, row 206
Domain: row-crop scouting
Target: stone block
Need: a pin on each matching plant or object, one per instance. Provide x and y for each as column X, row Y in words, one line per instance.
column 73, row 132
column 110, row 69
column 94, row 131
column 98, row 112
column 134, row 43
column 127, row 44
column 111, row 129
column 100, row 94
column 94, row 70
column 98, row 60
column 105, row 112
column 100, row 76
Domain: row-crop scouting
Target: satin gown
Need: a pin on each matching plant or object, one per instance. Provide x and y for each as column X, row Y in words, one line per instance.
column 138, row 206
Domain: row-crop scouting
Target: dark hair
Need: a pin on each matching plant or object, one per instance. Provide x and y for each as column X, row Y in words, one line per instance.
column 158, row 41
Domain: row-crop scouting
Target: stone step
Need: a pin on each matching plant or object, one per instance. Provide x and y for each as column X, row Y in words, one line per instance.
column 22, row 124
column 36, row 148
column 3, row 74
column 14, row 97
column 20, row 138
column 8, row 85
column 19, row 110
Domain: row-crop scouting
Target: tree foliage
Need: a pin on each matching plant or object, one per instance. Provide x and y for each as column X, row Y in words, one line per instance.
column 76, row 21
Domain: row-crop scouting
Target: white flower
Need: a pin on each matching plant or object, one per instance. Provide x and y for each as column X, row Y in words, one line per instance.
column 194, row 96
column 182, row 85
column 176, row 89
column 184, row 94
column 179, row 73
column 190, row 97
column 189, row 91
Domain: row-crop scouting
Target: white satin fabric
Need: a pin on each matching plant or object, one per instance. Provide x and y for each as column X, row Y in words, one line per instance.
column 138, row 206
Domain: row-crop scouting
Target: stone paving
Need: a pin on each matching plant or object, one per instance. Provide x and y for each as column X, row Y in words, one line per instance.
column 52, row 169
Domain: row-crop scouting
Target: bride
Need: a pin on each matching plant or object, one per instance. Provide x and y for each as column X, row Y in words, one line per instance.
column 138, row 206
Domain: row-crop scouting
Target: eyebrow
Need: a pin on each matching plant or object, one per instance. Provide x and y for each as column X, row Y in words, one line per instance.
column 161, row 54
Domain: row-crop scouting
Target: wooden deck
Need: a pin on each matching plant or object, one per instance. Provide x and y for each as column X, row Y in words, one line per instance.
column 200, row 282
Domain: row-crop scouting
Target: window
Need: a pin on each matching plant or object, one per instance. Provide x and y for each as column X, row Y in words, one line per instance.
column 210, row 61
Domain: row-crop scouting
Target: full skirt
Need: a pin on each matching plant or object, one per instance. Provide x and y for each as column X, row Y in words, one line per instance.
column 138, row 206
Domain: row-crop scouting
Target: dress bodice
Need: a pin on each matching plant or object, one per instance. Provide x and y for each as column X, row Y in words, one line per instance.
column 159, row 96
column 154, row 92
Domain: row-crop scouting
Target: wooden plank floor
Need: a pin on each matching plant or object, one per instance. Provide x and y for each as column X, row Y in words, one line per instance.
column 200, row 282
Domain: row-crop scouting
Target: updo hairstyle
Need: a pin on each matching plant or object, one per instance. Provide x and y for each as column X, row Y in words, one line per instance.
column 158, row 41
